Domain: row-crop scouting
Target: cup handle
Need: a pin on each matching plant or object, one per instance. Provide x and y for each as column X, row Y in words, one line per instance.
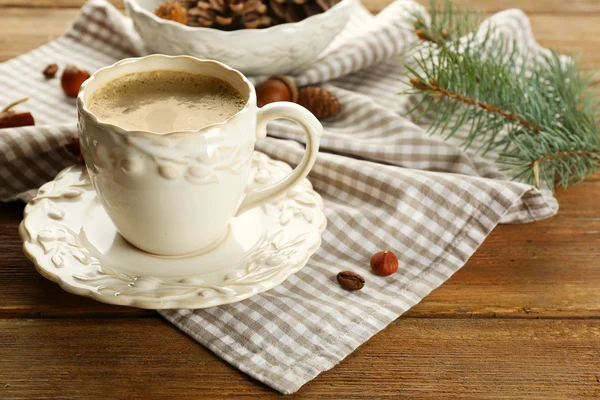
column 314, row 131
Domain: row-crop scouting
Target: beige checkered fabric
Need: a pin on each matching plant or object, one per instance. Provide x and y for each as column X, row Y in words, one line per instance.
column 386, row 183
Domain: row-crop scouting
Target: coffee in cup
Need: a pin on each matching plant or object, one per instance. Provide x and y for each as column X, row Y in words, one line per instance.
column 165, row 101
column 168, row 145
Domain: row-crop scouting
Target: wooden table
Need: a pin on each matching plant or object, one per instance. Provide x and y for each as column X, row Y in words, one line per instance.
column 520, row 320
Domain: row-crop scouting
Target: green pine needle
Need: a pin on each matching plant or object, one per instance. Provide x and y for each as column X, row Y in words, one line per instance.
column 537, row 110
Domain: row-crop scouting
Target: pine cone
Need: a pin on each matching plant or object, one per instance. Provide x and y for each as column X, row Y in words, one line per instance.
column 283, row 11
column 227, row 15
column 172, row 10
column 322, row 103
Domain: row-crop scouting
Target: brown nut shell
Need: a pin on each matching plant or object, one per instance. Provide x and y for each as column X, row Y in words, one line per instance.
column 72, row 79
column 50, row 71
column 276, row 88
column 384, row 263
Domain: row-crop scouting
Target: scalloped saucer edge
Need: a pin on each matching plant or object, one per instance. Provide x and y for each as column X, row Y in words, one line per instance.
column 70, row 239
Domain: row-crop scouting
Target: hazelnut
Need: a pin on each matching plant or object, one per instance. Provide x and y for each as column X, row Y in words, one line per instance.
column 276, row 88
column 384, row 263
column 72, row 78
column 50, row 71
column 350, row 280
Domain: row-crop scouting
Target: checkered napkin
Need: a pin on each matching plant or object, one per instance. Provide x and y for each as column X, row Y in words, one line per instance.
column 386, row 183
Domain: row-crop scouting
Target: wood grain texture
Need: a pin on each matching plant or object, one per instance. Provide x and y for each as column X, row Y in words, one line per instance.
column 520, row 320
column 411, row 359
column 24, row 29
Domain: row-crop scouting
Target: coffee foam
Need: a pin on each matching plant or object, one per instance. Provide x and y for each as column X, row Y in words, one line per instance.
column 165, row 101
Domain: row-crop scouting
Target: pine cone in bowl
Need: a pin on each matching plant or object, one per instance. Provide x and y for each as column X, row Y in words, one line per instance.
column 283, row 11
column 227, row 15
column 230, row 15
column 277, row 49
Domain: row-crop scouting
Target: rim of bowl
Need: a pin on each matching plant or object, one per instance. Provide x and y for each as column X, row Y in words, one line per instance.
column 83, row 109
column 139, row 9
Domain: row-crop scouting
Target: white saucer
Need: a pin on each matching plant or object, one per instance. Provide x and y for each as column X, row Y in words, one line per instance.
column 71, row 241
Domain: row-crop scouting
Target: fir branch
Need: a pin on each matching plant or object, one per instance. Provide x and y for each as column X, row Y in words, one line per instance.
column 579, row 155
column 429, row 36
column 439, row 93
column 562, row 154
column 536, row 107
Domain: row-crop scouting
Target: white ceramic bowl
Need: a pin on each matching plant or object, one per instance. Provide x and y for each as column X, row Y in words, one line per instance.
column 279, row 49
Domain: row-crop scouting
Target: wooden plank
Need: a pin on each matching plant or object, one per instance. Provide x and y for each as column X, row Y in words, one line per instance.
column 412, row 359
column 577, row 33
column 472, row 359
column 23, row 29
column 547, row 269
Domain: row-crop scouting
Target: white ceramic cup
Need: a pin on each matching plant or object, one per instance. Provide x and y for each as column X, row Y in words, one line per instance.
column 176, row 193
